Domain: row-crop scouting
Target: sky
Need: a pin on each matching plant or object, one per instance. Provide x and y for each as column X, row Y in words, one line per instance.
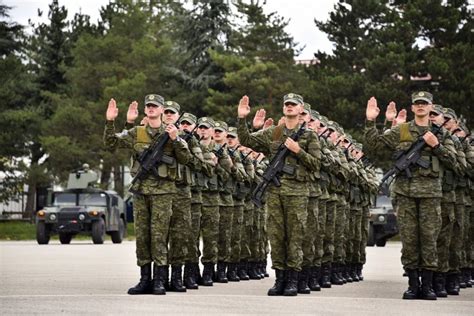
column 301, row 15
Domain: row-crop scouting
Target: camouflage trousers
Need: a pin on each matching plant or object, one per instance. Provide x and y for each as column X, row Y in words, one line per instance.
column 319, row 241
column 348, row 234
column 152, row 222
column 444, row 237
column 181, row 244
column 329, row 232
column 210, row 226
column 256, row 237
column 236, row 234
column 226, row 214
column 364, row 232
column 339, row 230
column 246, row 237
column 420, row 222
column 311, row 232
column 466, row 256
column 286, row 224
column 195, row 230
column 356, row 217
column 470, row 249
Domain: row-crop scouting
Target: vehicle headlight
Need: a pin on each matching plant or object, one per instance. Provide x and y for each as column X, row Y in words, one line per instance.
column 381, row 218
column 41, row 213
column 82, row 217
column 52, row 217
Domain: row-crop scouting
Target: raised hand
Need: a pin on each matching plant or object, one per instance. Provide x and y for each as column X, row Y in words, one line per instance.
column 281, row 121
column 401, row 117
column 372, row 110
column 391, row 112
column 244, row 107
column 259, row 119
column 132, row 112
column 144, row 121
column 112, row 110
column 268, row 123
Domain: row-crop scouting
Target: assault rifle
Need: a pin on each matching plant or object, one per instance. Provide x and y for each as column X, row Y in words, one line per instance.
column 275, row 169
column 411, row 157
column 220, row 151
column 152, row 157
column 188, row 135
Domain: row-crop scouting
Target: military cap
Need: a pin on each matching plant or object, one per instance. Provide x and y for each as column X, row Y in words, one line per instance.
column 422, row 96
column 173, row 106
column 463, row 126
column 206, row 121
column 232, row 131
column 307, row 108
column 324, row 120
column 154, row 99
column 358, row 146
column 448, row 112
column 188, row 117
column 315, row 115
column 293, row 98
column 220, row 126
column 349, row 138
column 438, row 108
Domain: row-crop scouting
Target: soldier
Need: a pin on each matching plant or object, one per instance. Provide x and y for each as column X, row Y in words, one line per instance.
column 287, row 204
column 152, row 205
column 419, row 197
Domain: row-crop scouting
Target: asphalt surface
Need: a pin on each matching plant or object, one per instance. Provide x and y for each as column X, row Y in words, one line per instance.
column 82, row 278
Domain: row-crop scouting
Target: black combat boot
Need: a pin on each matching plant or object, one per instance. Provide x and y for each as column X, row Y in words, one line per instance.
column 260, row 270
column 451, row 287
column 353, row 272
column 279, row 285
column 221, row 275
column 345, row 272
column 427, row 292
column 461, row 282
column 439, row 284
column 167, row 278
column 252, row 271
column 207, row 274
column 326, row 275
column 359, row 271
column 197, row 273
column 303, row 280
column 232, row 272
column 313, row 282
column 159, row 275
column 291, row 286
column 413, row 285
column 242, row 271
column 466, row 273
column 176, row 284
column 335, row 278
column 145, row 285
column 264, row 266
column 190, row 277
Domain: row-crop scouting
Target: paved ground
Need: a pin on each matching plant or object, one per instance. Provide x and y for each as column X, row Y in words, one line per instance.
column 85, row 278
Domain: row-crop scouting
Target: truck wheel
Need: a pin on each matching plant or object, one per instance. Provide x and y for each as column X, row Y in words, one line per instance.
column 65, row 238
column 118, row 235
column 98, row 231
column 371, row 239
column 42, row 233
column 381, row 242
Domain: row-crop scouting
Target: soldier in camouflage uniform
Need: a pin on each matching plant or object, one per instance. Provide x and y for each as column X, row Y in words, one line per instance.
column 419, row 197
column 152, row 205
column 287, row 204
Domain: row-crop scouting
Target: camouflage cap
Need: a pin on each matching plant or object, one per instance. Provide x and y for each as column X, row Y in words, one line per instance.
column 206, row 121
column 307, row 108
column 324, row 120
column 293, row 98
column 358, row 146
column 349, row 138
column 422, row 96
column 154, row 99
column 438, row 108
column 173, row 106
column 232, row 131
column 463, row 126
column 188, row 117
column 221, row 126
column 315, row 115
column 448, row 112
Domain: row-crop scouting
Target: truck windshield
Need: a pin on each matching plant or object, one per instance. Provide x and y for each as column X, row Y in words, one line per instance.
column 383, row 201
column 95, row 199
column 64, row 199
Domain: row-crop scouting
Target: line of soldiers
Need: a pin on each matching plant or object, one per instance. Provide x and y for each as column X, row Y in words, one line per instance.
column 203, row 189
column 433, row 198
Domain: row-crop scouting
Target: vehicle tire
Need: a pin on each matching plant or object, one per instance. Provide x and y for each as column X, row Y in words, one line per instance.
column 381, row 242
column 65, row 238
column 117, row 236
column 371, row 238
column 98, row 231
column 42, row 233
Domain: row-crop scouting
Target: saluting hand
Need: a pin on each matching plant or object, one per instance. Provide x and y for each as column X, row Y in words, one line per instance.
column 259, row 119
column 391, row 111
column 372, row 110
column 132, row 112
column 112, row 110
column 292, row 145
column 268, row 123
column 401, row 117
column 244, row 107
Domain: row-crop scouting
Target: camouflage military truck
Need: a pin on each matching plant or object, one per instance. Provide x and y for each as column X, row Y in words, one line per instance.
column 382, row 222
column 82, row 209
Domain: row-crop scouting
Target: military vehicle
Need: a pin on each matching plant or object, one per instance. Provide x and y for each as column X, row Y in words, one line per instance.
column 382, row 222
column 82, row 209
